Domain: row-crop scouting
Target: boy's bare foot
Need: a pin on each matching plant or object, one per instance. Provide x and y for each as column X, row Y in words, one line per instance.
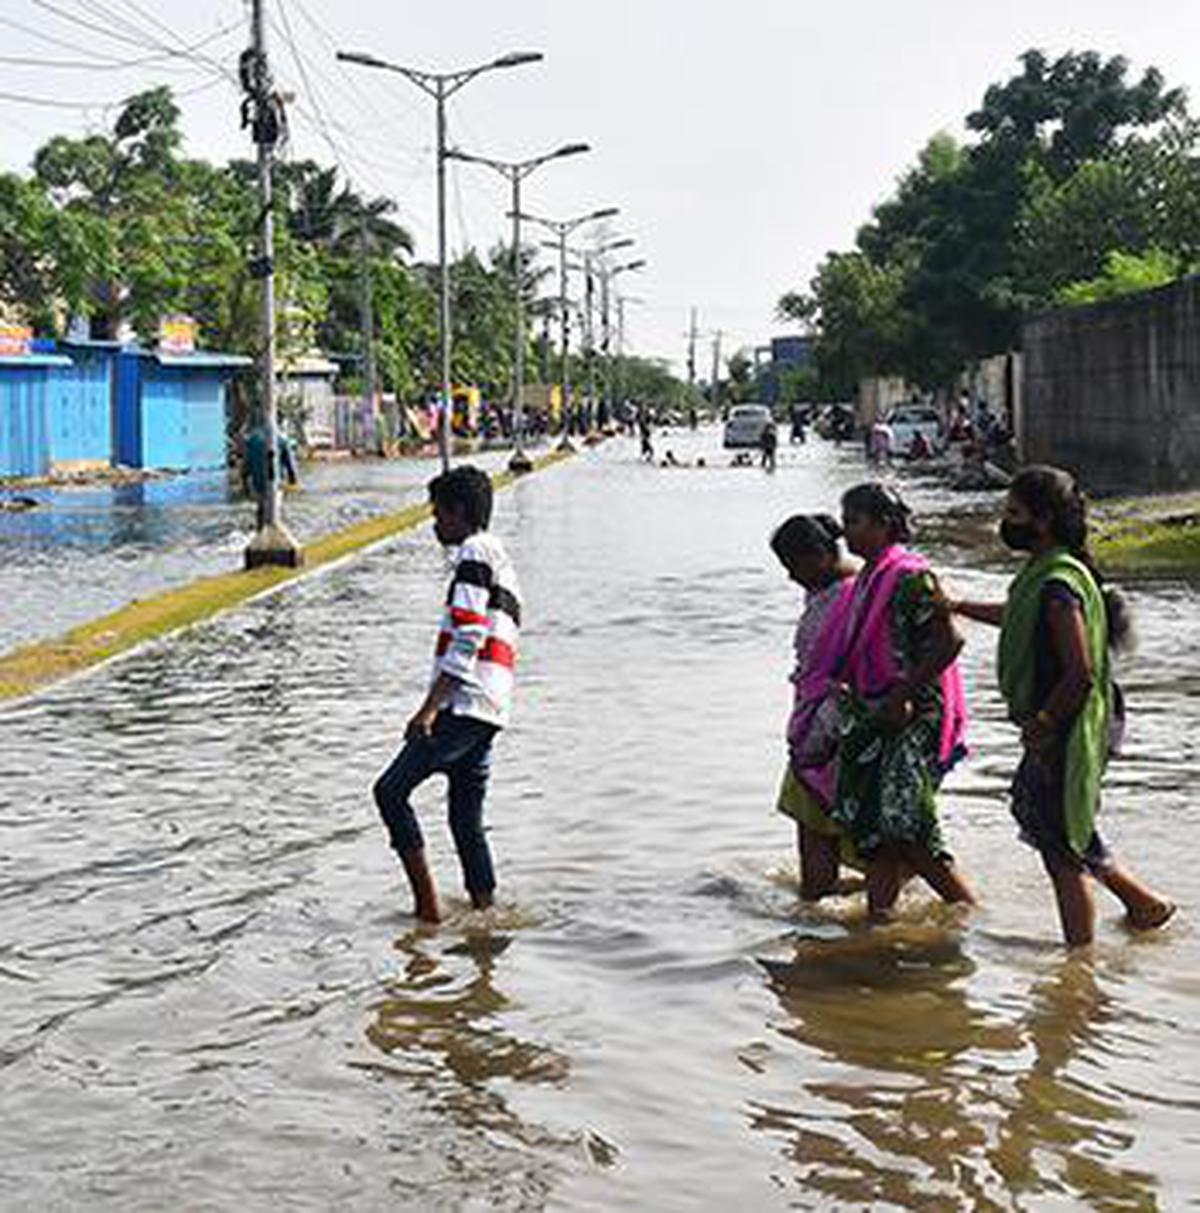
column 1153, row 917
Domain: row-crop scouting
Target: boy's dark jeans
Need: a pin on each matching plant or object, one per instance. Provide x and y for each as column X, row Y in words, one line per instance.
column 460, row 748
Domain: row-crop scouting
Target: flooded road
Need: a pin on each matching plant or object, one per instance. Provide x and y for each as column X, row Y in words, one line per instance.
column 212, row 996
column 86, row 550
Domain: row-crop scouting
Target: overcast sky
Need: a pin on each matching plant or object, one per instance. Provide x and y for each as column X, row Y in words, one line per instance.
column 740, row 140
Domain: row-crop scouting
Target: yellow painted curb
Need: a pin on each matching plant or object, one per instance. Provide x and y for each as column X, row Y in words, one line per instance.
column 38, row 665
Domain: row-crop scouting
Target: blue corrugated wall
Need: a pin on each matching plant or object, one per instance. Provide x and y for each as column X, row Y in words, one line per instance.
column 24, row 440
column 183, row 418
column 81, row 410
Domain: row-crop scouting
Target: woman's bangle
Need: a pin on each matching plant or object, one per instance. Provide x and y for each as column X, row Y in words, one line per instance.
column 1046, row 721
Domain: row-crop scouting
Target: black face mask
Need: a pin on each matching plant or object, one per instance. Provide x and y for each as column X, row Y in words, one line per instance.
column 1018, row 535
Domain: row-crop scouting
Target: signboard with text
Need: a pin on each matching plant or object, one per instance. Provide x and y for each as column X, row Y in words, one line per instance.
column 16, row 340
column 177, row 335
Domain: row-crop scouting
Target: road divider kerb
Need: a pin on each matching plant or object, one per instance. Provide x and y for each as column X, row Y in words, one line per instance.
column 37, row 666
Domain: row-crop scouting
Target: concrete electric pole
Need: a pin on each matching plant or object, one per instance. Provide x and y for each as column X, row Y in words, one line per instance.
column 262, row 111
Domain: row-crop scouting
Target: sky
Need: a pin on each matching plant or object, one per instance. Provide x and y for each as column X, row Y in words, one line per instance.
column 741, row 141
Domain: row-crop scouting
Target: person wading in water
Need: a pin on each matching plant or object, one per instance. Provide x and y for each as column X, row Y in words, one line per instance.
column 903, row 711
column 1058, row 629
column 469, row 699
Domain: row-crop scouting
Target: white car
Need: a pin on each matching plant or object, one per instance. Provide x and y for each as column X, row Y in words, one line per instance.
column 909, row 420
column 745, row 425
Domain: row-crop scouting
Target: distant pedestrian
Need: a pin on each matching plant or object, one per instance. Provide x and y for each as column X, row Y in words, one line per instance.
column 799, row 419
column 768, row 444
column 646, row 431
column 256, row 476
column 880, row 442
column 1058, row 629
column 469, row 699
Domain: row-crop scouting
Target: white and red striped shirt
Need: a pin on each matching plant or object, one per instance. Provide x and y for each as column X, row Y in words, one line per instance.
column 477, row 643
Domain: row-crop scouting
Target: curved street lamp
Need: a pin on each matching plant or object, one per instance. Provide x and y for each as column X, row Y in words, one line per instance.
column 515, row 171
column 440, row 86
column 562, row 228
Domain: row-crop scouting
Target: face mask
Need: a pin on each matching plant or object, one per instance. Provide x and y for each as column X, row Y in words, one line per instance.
column 1017, row 535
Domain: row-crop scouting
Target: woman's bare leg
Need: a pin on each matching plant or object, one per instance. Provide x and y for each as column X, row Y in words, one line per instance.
column 940, row 875
column 819, row 859
column 1145, row 908
column 1076, row 909
column 885, row 877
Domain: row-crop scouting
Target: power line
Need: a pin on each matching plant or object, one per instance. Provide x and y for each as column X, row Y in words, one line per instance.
column 106, row 64
column 58, row 103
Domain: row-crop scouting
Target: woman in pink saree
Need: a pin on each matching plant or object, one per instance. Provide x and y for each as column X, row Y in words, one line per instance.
column 903, row 713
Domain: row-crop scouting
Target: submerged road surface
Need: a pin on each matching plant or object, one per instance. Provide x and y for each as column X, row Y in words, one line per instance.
column 211, row 996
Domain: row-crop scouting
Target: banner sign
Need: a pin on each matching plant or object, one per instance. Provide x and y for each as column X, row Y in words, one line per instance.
column 16, row 340
column 177, row 335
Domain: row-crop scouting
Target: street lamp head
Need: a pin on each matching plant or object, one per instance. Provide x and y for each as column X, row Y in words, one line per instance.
column 607, row 213
column 632, row 265
column 613, row 245
column 517, row 58
column 359, row 57
column 570, row 149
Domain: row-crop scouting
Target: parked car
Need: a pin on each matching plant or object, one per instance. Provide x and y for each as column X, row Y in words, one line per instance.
column 745, row 425
column 909, row 420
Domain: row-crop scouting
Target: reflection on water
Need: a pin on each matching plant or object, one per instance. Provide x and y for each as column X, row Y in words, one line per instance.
column 212, row 999
column 936, row 1103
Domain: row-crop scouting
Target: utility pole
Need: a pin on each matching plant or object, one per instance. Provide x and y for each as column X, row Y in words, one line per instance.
column 564, row 339
column 609, row 405
column 589, row 340
column 693, row 334
column 621, row 350
column 716, row 373
column 263, row 113
column 366, row 307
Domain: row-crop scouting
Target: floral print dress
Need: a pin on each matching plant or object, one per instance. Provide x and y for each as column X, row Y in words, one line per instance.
column 887, row 780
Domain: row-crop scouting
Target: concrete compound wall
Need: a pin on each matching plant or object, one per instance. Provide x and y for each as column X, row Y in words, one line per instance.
column 1112, row 391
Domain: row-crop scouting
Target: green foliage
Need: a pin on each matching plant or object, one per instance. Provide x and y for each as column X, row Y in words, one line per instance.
column 1074, row 161
column 1124, row 274
column 120, row 227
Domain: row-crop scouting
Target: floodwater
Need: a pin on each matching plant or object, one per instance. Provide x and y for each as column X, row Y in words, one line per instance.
column 213, row 997
column 86, row 550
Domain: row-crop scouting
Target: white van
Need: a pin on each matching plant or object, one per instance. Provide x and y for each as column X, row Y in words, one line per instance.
column 745, row 425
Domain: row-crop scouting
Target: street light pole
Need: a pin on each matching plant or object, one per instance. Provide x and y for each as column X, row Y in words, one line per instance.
column 562, row 228
column 516, row 171
column 441, row 86
column 614, row 375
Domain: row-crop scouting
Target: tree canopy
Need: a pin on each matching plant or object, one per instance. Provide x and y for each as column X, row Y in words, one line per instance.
column 1073, row 162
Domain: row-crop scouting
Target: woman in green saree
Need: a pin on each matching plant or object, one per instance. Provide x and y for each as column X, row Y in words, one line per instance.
column 1057, row 629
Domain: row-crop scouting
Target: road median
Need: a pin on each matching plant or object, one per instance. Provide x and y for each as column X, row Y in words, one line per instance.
column 36, row 666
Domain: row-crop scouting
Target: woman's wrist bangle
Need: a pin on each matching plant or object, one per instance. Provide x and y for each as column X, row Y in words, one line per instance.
column 1046, row 721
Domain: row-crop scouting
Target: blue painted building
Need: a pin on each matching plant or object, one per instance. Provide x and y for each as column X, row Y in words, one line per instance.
column 80, row 408
column 81, row 404
column 26, row 388
column 171, row 408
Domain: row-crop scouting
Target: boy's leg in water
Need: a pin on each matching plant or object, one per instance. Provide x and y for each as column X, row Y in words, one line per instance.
column 819, row 862
column 1076, row 909
column 415, row 763
column 1145, row 908
column 468, row 787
